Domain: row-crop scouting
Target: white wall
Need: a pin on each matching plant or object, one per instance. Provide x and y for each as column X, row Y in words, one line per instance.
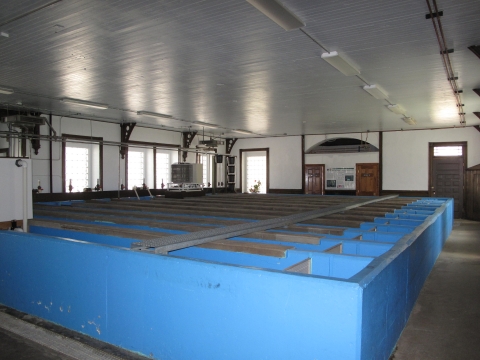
column 405, row 155
column 285, row 159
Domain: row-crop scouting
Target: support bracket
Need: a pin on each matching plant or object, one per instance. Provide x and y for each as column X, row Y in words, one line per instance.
column 230, row 142
column 433, row 15
column 127, row 129
column 187, row 137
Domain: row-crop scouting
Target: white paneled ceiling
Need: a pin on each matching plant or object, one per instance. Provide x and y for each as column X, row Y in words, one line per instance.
column 225, row 63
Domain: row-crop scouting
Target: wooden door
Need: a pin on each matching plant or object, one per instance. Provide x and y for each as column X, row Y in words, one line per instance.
column 447, row 181
column 472, row 194
column 314, row 179
column 367, row 181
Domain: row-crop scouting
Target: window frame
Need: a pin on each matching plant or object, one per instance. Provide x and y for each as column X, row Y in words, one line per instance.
column 88, row 140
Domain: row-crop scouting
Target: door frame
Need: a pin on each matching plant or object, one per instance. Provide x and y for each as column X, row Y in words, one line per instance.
column 357, row 178
column 323, row 177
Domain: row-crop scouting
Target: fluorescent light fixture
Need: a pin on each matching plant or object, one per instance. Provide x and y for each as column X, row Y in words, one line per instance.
column 153, row 114
column 4, row 34
column 409, row 120
column 397, row 109
column 376, row 91
column 86, row 103
column 212, row 126
column 278, row 13
column 242, row 131
column 340, row 64
column 6, row 91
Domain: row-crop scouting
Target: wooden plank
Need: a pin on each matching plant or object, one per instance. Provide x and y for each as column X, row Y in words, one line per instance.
column 98, row 229
column 247, row 247
column 303, row 239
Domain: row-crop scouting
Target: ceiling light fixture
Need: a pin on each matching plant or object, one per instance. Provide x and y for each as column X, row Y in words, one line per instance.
column 376, row 91
column 397, row 109
column 4, row 34
column 153, row 114
column 243, row 131
column 409, row 120
column 339, row 63
column 278, row 13
column 213, row 126
column 6, row 91
column 86, row 103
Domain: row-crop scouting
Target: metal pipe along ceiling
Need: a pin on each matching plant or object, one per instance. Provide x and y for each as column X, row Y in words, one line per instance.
column 437, row 25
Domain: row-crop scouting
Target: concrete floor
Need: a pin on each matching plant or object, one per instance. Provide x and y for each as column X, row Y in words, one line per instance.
column 444, row 324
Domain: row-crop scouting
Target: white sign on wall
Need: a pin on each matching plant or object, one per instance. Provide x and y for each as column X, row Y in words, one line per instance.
column 340, row 179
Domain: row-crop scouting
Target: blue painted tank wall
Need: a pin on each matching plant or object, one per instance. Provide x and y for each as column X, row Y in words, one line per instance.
column 171, row 307
column 174, row 308
column 393, row 286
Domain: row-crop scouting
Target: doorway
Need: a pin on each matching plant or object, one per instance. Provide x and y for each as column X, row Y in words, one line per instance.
column 446, row 175
column 367, row 182
column 314, row 179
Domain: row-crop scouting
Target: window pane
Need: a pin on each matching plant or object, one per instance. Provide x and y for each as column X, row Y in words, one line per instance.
column 135, row 169
column 447, row 151
column 76, row 168
column 204, row 160
column 163, row 169
column 256, row 169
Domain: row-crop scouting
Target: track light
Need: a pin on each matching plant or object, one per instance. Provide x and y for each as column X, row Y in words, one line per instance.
column 6, row 91
column 86, row 103
column 409, row 120
column 340, row 64
column 153, row 114
column 397, row 109
column 278, row 13
column 376, row 91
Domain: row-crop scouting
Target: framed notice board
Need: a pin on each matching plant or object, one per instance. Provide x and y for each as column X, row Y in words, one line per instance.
column 340, row 179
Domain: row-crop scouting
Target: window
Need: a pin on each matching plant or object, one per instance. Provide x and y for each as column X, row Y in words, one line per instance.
column 82, row 162
column 163, row 169
column 447, row 151
column 254, row 170
column 76, row 168
column 136, row 170
column 204, row 160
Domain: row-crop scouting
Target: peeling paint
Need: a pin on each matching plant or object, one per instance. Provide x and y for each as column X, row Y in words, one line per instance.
column 61, row 309
column 69, row 308
column 39, row 302
column 97, row 327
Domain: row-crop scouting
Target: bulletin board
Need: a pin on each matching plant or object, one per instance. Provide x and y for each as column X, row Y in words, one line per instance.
column 340, row 179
